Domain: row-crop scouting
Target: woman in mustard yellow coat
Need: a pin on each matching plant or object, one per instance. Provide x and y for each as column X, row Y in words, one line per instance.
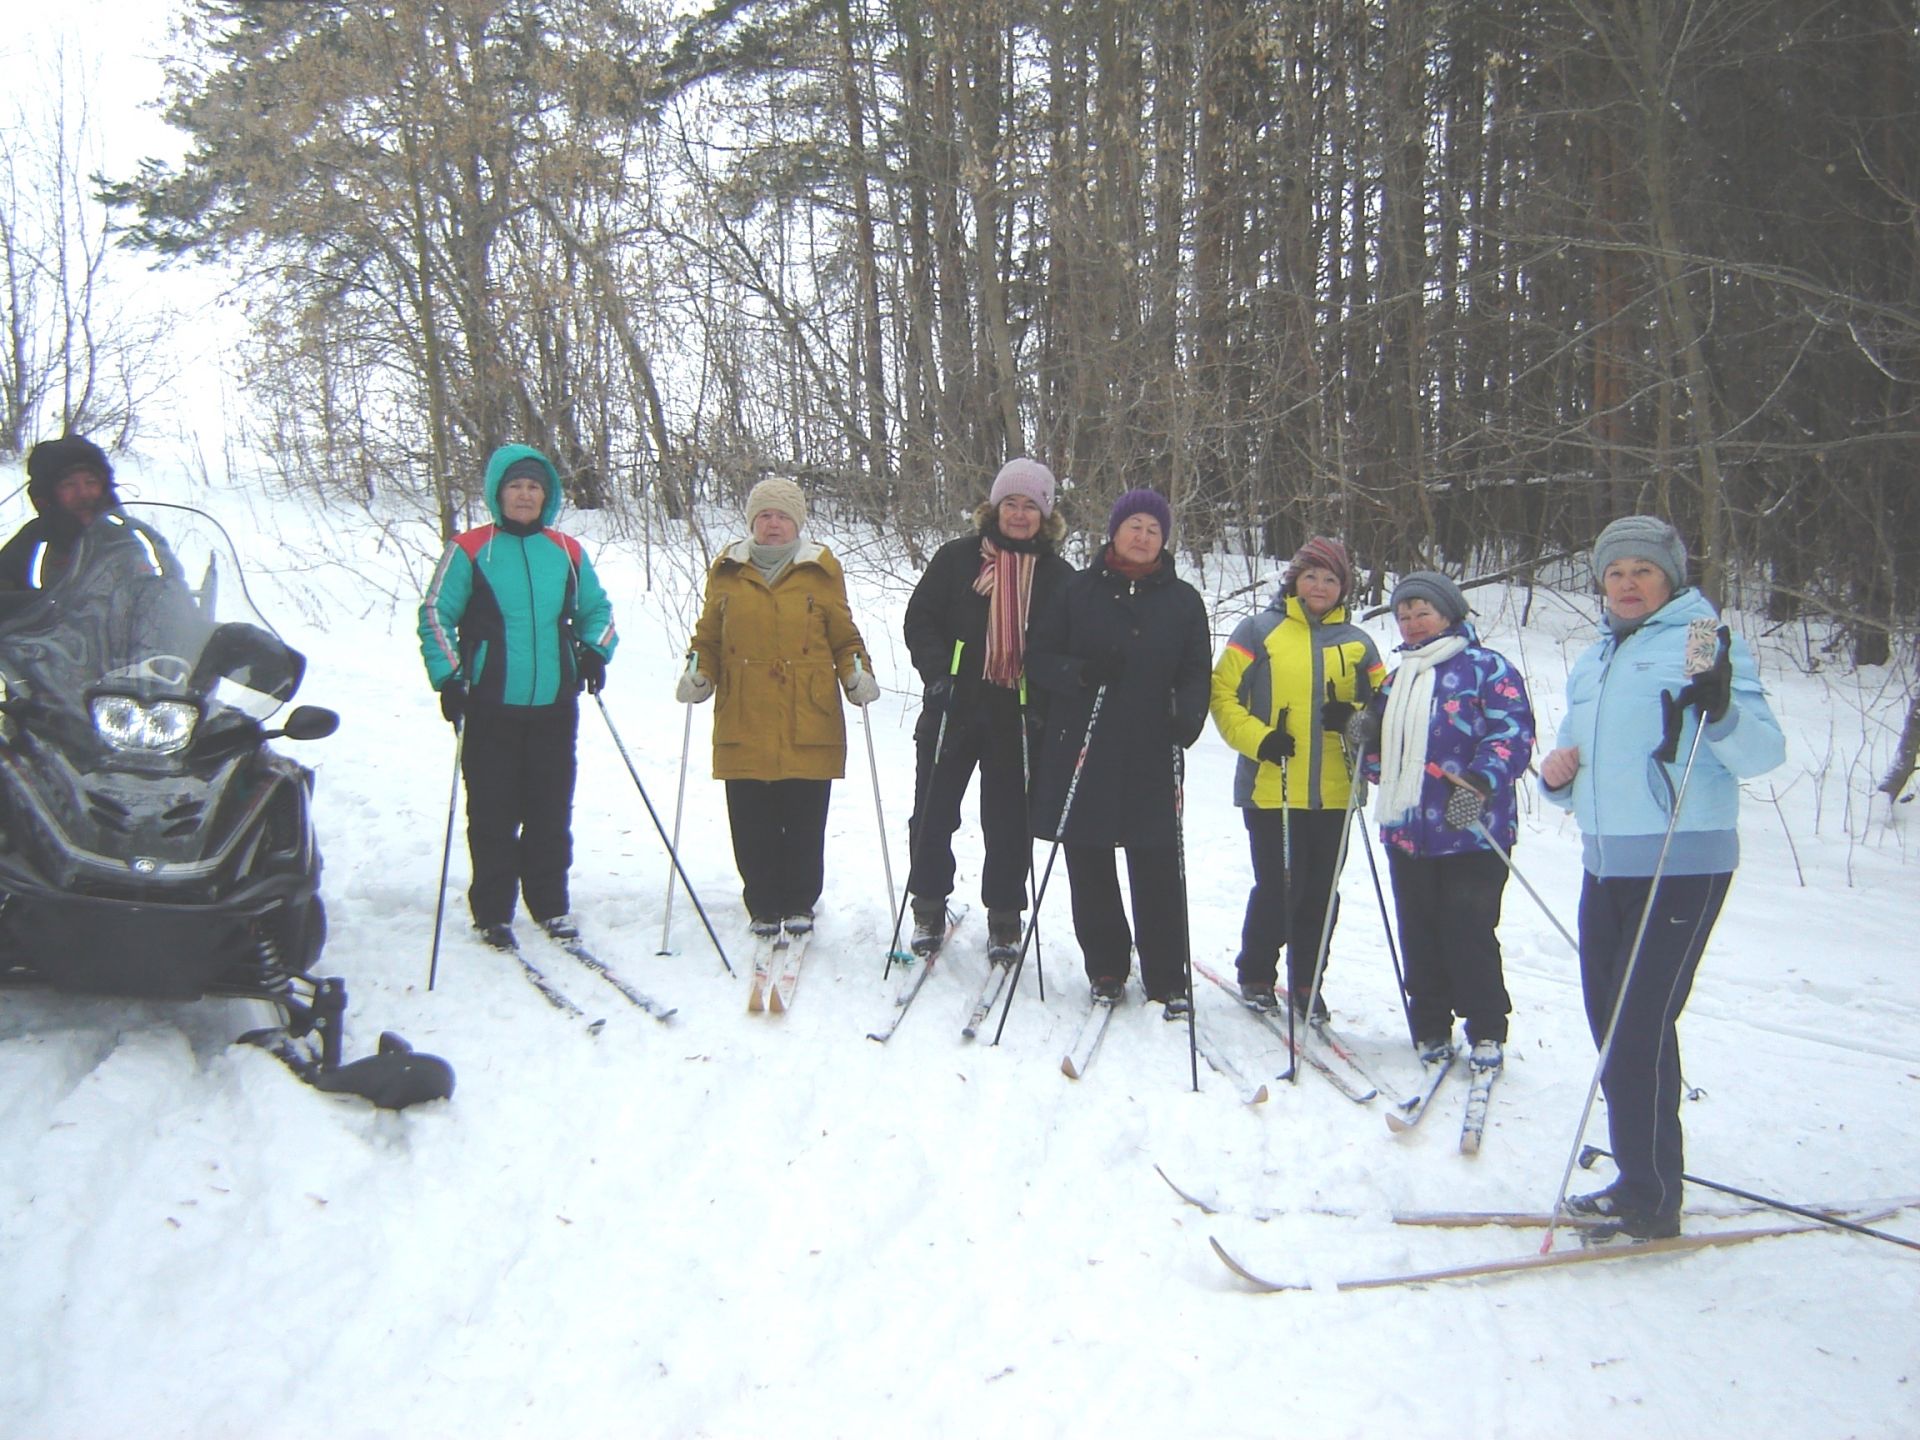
column 777, row 644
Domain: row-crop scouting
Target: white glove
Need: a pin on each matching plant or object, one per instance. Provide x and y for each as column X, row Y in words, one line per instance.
column 693, row 688
column 863, row 689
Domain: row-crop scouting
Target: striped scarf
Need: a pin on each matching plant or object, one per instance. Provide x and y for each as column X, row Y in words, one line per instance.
column 1006, row 579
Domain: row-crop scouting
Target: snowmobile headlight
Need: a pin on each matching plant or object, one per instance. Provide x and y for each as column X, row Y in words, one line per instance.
column 158, row 727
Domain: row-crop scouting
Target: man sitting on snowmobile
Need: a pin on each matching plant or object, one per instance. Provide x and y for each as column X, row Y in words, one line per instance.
column 70, row 483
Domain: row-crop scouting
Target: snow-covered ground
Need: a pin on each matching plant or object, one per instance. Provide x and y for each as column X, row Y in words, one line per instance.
column 742, row 1225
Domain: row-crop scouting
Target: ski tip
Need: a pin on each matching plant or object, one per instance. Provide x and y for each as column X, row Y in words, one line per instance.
column 1259, row 1096
column 1067, row 1069
column 1469, row 1144
column 1398, row 1123
column 594, row 1027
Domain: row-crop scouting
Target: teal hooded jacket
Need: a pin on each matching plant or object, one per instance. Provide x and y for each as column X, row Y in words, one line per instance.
column 508, row 604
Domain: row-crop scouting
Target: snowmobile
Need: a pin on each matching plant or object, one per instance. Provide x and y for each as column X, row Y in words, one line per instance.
column 152, row 844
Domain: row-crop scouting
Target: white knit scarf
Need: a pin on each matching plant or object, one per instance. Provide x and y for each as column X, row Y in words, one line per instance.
column 1403, row 730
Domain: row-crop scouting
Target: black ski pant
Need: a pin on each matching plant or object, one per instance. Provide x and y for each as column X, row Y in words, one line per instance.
column 519, row 766
column 1642, row 1075
column 1289, row 904
column 779, row 842
column 1159, row 921
column 1448, row 907
column 986, row 736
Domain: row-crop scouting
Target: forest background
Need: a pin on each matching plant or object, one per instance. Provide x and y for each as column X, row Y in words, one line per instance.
column 1457, row 281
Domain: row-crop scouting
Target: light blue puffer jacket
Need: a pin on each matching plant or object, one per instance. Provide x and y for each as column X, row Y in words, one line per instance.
column 1622, row 795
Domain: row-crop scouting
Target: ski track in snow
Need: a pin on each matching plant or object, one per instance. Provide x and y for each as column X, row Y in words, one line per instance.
column 754, row 1225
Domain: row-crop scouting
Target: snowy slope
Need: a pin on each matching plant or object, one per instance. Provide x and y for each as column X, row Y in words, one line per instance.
column 740, row 1226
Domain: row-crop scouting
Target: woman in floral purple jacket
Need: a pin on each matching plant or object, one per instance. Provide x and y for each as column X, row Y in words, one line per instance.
column 1451, row 733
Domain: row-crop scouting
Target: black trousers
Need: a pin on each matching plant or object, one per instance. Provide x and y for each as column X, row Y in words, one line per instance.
column 779, row 842
column 986, row 737
column 1642, row 1075
column 1289, row 905
column 519, row 766
column 1448, row 908
column 1159, row 919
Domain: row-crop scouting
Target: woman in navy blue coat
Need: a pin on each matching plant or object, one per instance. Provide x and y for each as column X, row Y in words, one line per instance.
column 1128, row 633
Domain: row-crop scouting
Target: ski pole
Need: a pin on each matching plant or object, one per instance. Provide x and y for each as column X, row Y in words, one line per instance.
column 1626, row 981
column 1480, row 829
column 1355, row 788
column 916, row 825
column 1286, row 894
column 1393, row 951
column 873, row 768
column 1593, row 1152
column 1026, row 830
column 446, row 854
column 1186, row 923
column 679, row 807
column 1059, row 835
column 673, row 852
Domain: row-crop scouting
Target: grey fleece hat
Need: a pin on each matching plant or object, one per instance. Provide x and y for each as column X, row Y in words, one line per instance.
column 1642, row 537
column 1434, row 588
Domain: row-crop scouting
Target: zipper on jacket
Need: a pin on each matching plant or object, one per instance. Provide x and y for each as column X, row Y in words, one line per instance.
column 533, row 627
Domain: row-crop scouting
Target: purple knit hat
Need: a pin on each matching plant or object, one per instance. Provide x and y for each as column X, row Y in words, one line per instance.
column 1322, row 553
column 1150, row 503
column 1021, row 476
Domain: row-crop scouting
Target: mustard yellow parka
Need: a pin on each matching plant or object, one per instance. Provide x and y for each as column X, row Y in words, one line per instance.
column 778, row 658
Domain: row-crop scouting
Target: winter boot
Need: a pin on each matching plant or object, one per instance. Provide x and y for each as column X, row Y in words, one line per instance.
column 1108, row 989
column 799, row 923
column 1299, row 995
column 560, row 927
column 1003, row 936
column 1178, row 1007
column 765, row 927
column 1435, row 1048
column 1257, row 996
column 500, row 936
column 1623, row 1217
column 929, row 926
column 1486, row 1055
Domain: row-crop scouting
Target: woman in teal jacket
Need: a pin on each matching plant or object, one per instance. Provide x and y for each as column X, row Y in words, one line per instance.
column 1610, row 771
column 513, row 626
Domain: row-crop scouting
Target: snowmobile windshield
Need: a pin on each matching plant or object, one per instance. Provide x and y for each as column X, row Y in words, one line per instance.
column 147, row 640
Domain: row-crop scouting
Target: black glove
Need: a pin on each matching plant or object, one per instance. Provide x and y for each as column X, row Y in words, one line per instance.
column 1467, row 804
column 453, row 702
column 937, row 696
column 593, row 670
column 1279, row 745
column 1103, row 669
column 1335, row 713
column 1711, row 691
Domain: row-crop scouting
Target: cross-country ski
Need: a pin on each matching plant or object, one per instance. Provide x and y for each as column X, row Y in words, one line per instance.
column 1086, row 1043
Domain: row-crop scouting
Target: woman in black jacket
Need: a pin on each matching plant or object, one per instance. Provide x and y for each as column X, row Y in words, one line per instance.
column 1129, row 636
column 966, row 629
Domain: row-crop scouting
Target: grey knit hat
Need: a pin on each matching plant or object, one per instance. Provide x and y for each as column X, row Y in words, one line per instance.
column 1642, row 537
column 1434, row 588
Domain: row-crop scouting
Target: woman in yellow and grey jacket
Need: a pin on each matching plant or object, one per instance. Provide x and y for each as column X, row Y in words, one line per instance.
column 776, row 641
column 1283, row 690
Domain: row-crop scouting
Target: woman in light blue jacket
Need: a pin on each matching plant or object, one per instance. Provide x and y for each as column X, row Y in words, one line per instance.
column 1608, row 769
